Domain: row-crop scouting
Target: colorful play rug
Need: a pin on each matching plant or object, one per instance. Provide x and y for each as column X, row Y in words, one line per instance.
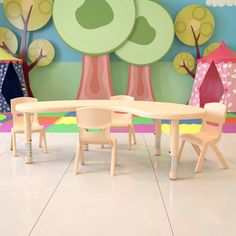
column 66, row 122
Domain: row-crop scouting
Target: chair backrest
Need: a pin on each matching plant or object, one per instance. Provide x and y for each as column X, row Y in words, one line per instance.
column 122, row 97
column 124, row 117
column 17, row 118
column 215, row 112
column 93, row 118
column 215, row 118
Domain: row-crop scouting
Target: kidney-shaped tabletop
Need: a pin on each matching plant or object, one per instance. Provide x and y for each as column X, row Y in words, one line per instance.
column 154, row 110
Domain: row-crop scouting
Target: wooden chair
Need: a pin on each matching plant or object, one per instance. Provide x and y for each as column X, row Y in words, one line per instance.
column 124, row 120
column 208, row 136
column 94, row 118
column 18, row 124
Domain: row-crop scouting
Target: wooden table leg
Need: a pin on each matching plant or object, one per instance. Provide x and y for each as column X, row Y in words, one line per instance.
column 28, row 138
column 174, row 148
column 158, row 138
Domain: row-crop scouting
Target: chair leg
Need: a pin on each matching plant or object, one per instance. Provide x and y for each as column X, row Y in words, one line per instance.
column 82, row 154
column 11, row 145
column 77, row 158
column 40, row 138
column 134, row 135
column 181, row 149
column 44, row 140
column 113, row 157
column 197, row 150
column 219, row 156
column 129, row 137
column 103, row 145
column 14, row 143
column 116, row 159
column 201, row 159
column 86, row 147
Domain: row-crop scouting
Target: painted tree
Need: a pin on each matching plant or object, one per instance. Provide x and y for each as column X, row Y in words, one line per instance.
column 194, row 26
column 28, row 16
column 94, row 28
column 8, row 38
column 210, row 49
column 151, row 38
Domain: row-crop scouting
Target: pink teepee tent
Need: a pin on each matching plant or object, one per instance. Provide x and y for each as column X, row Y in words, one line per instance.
column 215, row 79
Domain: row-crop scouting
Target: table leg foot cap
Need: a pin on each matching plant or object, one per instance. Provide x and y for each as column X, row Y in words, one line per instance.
column 173, row 175
column 157, row 152
column 28, row 160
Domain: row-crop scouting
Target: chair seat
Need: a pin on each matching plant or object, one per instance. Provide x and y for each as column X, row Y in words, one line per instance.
column 95, row 138
column 121, row 119
column 199, row 138
column 119, row 123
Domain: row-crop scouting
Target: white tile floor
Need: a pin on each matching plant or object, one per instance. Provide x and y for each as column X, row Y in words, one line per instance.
column 45, row 199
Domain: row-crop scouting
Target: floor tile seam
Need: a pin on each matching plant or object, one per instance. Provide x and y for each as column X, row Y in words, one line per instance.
column 148, row 161
column 51, row 196
column 25, row 191
column 106, row 191
column 228, row 159
column 9, row 150
column 159, row 188
column 213, row 157
column 108, row 164
column 3, row 153
column 199, row 193
column 233, row 162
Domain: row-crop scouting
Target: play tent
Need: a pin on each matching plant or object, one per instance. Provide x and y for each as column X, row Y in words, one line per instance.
column 12, row 83
column 215, row 79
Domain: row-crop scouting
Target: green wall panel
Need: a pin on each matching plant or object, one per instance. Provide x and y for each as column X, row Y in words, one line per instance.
column 119, row 72
column 151, row 37
column 169, row 85
column 60, row 80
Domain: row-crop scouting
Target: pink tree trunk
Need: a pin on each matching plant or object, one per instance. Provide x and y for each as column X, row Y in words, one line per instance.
column 140, row 84
column 96, row 78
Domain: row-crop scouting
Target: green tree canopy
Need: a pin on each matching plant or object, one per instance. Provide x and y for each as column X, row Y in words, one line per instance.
column 151, row 37
column 94, row 27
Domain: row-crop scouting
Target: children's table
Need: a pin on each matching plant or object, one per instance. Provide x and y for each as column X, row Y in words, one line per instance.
column 154, row 110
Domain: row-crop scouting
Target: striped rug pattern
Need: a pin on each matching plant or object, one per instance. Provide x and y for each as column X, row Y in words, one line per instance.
column 66, row 122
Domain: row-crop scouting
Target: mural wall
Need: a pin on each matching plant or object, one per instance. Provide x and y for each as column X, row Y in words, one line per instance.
column 61, row 79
